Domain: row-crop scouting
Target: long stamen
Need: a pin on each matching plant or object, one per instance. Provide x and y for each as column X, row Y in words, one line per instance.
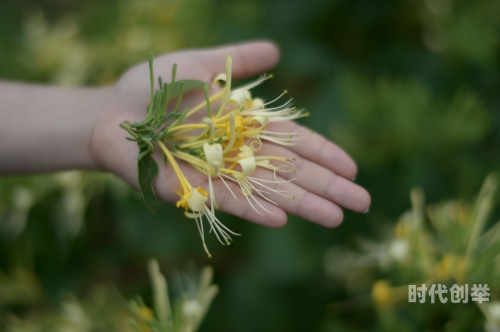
column 199, row 224
column 227, row 186
column 279, row 192
column 261, row 195
column 219, row 227
column 245, row 190
column 287, row 134
column 255, row 199
column 277, row 141
column 259, row 81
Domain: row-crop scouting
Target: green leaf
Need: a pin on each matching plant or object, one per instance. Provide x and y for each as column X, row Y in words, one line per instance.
column 144, row 132
column 147, row 170
column 183, row 115
column 189, row 85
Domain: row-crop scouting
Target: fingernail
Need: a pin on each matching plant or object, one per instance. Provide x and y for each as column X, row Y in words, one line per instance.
column 367, row 210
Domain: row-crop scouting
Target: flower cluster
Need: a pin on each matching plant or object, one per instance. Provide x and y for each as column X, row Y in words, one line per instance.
column 224, row 145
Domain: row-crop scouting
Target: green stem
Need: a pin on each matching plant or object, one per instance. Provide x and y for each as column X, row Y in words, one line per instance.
column 151, row 75
column 207, row 98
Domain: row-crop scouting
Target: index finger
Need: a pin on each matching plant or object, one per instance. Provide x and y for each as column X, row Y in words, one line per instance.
column 249, row 59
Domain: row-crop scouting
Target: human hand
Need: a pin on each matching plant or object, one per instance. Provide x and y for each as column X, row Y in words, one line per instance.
column 321, row 186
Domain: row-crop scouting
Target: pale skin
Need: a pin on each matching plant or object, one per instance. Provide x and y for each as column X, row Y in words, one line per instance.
column 44, row 129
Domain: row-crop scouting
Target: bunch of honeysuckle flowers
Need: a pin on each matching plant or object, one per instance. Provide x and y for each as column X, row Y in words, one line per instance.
column 224, row 145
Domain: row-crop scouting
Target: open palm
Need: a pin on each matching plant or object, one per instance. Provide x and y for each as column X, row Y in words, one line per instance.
column 321, row 184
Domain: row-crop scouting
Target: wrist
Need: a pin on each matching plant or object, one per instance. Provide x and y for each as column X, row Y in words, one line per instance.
column 94, row 111
column 47, row 128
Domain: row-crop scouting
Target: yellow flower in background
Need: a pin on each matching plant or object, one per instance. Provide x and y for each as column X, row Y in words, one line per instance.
column 381, row 293
column 451, row 266
column 146, row 312
column 445, row 267
column 402, row 229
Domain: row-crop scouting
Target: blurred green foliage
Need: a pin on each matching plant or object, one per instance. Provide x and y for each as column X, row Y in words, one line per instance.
column 409, row 88
column 443, row 243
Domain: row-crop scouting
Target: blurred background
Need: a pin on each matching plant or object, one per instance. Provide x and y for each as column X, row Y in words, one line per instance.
column 411, row 89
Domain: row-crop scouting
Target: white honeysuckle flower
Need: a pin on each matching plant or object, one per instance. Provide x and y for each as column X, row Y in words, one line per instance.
column 214, row 156
column 197, row 204
column 247, row 161
column 261, row 119
column 256, row 104
column 248, row 184
column 197, row 199
column 274, row 114
column 238, row 98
